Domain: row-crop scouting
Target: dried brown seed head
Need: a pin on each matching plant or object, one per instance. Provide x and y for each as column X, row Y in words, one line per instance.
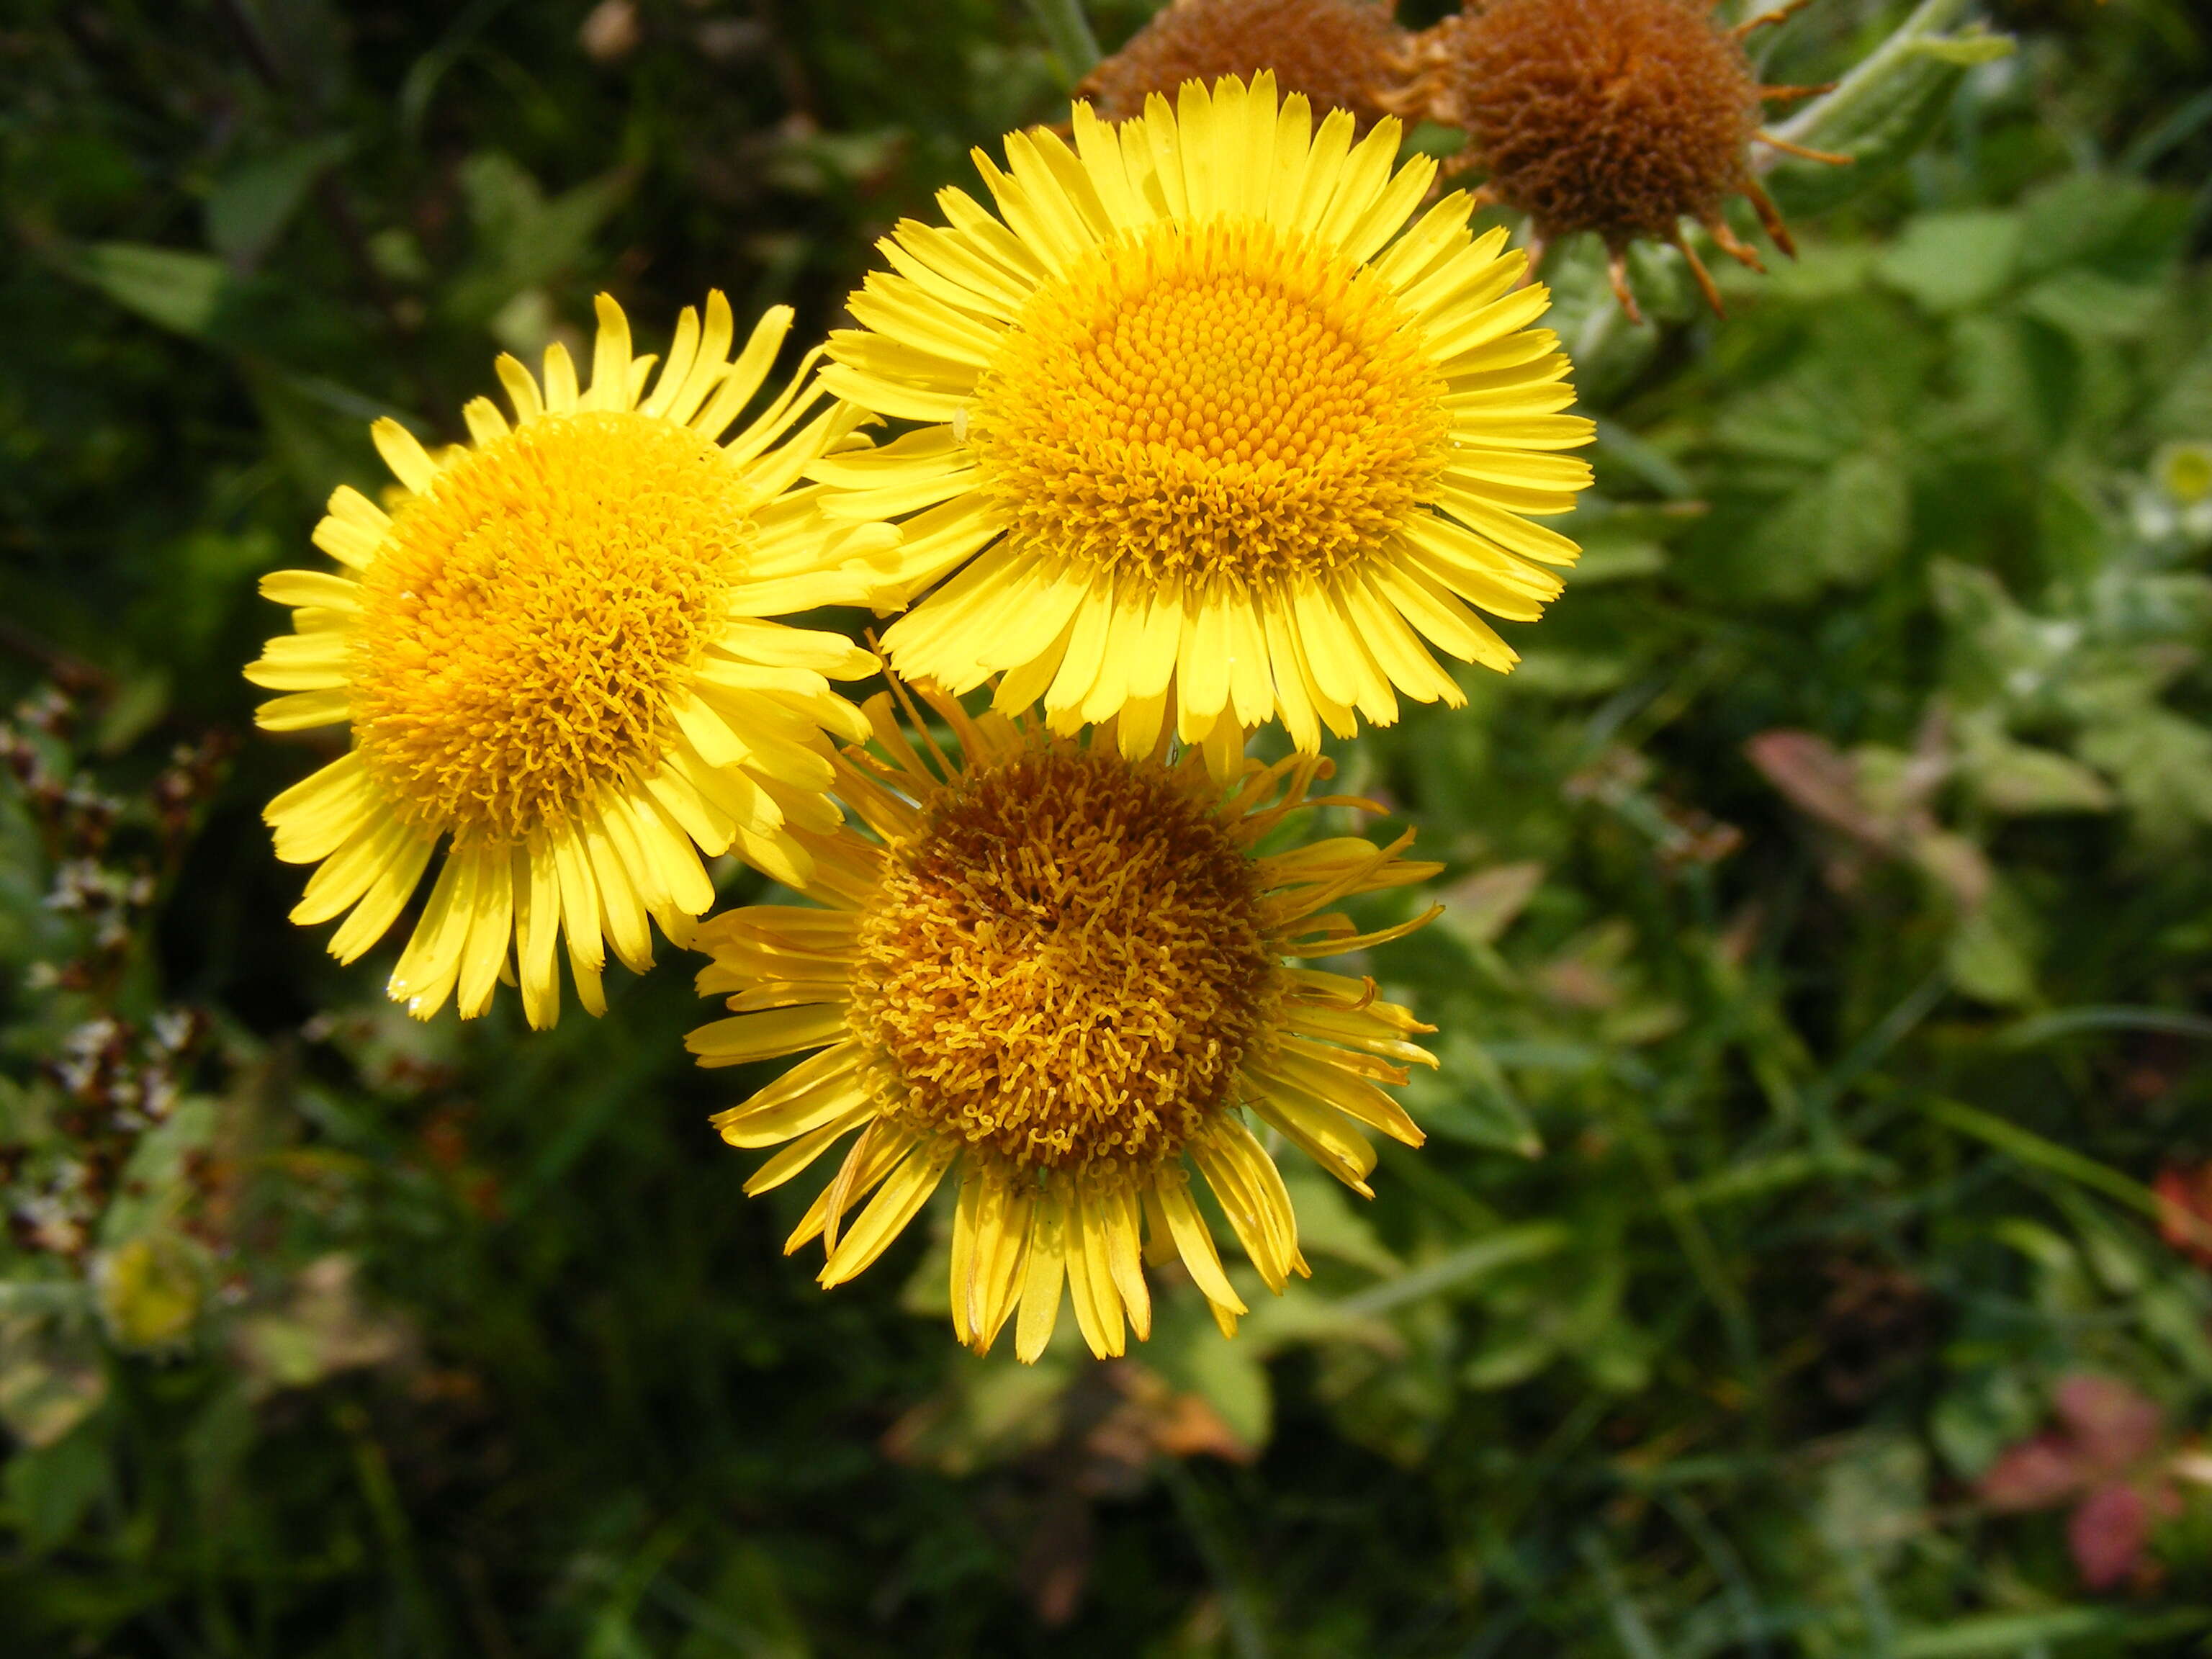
column 1337, row 52
column 1619, row 117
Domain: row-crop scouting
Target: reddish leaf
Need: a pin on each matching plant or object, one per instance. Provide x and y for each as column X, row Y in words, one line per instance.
column 2107, row 1534
column 2115, row 1426
column 1819, row 780
column 2037, row 1474
column 2185, row 1210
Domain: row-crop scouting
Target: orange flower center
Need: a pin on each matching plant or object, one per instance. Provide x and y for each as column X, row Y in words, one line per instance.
column 525, row 623
column 1224, row 402
column 1067, row 965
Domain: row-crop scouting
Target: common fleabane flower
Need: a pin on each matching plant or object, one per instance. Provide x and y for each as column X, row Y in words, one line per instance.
column 553, row 655
column 1210, row 435
column 1062, row 977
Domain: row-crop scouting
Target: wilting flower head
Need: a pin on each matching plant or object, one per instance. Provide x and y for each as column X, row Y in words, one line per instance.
column 1208, row 437
column 1620, row 117
column 552, row 653
column 1337, row 52
column 1061, row 970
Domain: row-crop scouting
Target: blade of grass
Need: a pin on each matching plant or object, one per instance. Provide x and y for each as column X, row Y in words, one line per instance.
column 2025, row 1146
column 1525, row 1242
column 1636, row 1638
column 2067, row 1022
column 2014, row 1632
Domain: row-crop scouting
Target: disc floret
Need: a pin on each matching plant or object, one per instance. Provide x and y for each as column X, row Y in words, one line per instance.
column 1066, row 965
column 525, row 629
column 1216, row 407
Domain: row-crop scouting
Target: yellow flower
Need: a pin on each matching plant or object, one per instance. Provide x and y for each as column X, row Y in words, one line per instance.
column 1206, row 435
column 1062, row 970
column 554, row 650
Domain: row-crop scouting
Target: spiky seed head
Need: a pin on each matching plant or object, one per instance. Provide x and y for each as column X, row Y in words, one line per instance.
column 1621, row 117
column 1340, row 53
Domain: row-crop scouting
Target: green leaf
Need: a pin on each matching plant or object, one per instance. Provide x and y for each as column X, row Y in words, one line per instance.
column 2162, row 764
column 50, row 1487
column 1327, row 1223
column 2017, row 779
column 2025, row 1146
column 1484, row 905
column 1883, row 111
column 1981, row 1414
column 2069, row 1022
column 2095, row 307
column 197, row 295
column 318, row 431
column 1760, row 1177
column 186, row 292
column 1993, row 951
column 1616, row 559
column 156, row 1182
column 136, row 706
column 1510, row 1356
column 1953, row 261
column 51, row 1375
column 1843, row 527
column 1874, row 1497
column 1234, row 1382
column 251, row 204
column 1069, row 34
column 1966, row 50
column 524, row 240
column 1454, row 1271
column 2116, row 226
column 1468, row 1098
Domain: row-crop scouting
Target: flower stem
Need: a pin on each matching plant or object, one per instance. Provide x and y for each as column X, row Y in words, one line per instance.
column 1905, row 42
column 1067, row 32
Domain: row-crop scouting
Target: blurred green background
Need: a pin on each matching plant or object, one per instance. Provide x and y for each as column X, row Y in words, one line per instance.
column 1803, row 1262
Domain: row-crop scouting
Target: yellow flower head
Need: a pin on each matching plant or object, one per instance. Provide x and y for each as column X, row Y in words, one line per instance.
column 553, row 652
column 1208, row 432
column 1062, row 969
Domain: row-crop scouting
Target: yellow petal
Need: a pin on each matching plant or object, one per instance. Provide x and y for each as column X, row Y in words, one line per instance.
column 380, row 907
column 1193, row 1242
column 887, row 1213
column 403, row 453
column 1048, row 1257
column 491, row 929
column 762, row 1036
column 315, row 817
column 819, row 1088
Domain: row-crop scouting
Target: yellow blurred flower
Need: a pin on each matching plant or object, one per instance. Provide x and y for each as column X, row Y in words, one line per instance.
column 150, row 1290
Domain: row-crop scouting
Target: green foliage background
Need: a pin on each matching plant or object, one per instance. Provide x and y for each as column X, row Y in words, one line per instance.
column 1825, row 981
